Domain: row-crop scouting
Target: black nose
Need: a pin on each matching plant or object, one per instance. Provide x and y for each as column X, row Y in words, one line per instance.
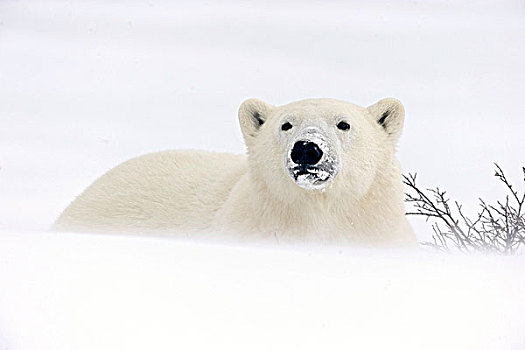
column 306, row 153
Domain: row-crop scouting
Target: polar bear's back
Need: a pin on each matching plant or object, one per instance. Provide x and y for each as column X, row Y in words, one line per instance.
column 159, row 191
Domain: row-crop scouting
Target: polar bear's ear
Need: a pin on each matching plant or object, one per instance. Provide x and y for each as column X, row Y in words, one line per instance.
column 253, row 113
column 390, row 115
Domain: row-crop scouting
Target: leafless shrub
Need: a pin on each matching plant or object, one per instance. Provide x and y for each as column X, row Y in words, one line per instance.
column 497, row 228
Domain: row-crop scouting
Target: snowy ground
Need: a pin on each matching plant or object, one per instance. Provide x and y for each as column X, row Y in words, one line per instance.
column 72, row 291
column 86, row 85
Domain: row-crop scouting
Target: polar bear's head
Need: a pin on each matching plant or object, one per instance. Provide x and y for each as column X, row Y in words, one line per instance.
column 316, row 145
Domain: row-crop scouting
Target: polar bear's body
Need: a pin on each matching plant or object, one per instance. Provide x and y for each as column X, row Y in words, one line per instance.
column 350, row 191
column 160, row 192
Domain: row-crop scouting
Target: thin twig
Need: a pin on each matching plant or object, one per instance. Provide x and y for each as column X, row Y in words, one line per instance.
column 496, row 228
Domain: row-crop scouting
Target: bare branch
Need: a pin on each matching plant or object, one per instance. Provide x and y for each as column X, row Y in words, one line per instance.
column 498, row 227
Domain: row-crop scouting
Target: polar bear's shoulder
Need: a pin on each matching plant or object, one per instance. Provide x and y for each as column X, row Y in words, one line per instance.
column 175, row 168
column 177, row 163
column 157, row 189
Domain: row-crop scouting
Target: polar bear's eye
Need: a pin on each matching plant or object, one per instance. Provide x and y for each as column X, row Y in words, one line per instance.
column 343, row 126
column 286, row 126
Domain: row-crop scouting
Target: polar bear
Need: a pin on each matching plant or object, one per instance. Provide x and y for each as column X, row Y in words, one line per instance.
column 316, row 170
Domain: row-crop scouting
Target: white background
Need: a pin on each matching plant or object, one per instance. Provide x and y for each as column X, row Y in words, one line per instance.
column 86, row 85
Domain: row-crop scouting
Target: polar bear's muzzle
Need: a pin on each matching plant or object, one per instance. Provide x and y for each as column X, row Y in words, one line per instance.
column 312, row 162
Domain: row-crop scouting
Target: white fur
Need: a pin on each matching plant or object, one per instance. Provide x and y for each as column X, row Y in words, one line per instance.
column 255, row 196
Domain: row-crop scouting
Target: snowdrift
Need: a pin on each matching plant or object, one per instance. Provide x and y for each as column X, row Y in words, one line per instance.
column 87, row 291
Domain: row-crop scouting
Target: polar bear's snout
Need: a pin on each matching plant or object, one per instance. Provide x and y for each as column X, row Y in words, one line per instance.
column 306, row 153
column 312, row 161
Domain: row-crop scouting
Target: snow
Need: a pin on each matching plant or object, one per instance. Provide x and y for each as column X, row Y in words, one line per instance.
column 74, row 291
column 86, row 85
